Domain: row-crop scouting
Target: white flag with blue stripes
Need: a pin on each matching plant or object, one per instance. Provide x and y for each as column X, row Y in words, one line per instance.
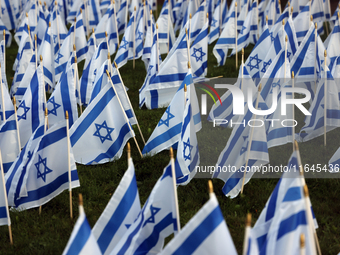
column 30, row 19
column 109, row 25
column 15, row 174
column 198, row 21
column 47, row 172
column 75, row 36
column 235, row 153
column 91, row 48
column 119, row 214
column 284, row 218
column 90, row 72
column 9, row 143
column 227, row 38
column 4, row 211
column 58, row 29
column 314, row 126
column 8, row 15
column 63, row 98
column 31, row 108
column 6, row 106
column 205, row 233
column 333, row 50
column 157, row 220
column 217, row 21
column 162, row 87
column 199, row 52
column 122, row 17
column 101, row 132
column 82, row 240
column 8, row 35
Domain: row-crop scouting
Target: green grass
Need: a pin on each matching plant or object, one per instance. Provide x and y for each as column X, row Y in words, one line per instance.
column 49, row 232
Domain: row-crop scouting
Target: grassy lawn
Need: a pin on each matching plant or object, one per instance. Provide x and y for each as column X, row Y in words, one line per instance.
column 49, row 232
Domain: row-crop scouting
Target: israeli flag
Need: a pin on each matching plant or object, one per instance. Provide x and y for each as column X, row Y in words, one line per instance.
column 15, row 174
column 217, row 21
column 314, row 126
column 101, row 132
column 227, row 38
column 90, row 72
column 332, row 50
column 9, row 143
column 58, row 29
column 148, row 43
column 8, row 15
column 156, row 221
column 63, row 98
column 198, row 21
column 121, row 211
column 284, row 217
column 4, row 211
column 75, row 36
column 82, row 240
column 8, row 35
column 91, row 48
column 47, row 175
column 205, row 233
column 236, row 152
column 199, row 53
column 122, row 17
column 31, row 108
column 6, row 105
column 41, row 27
column 30, row 20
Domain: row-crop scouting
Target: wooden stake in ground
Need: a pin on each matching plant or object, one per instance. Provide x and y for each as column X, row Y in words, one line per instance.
column 69, row 163
column 175, row 188
column 246, row 234
column 251, row 137
column 6, row 201
column 121, row 107
column 128, row 99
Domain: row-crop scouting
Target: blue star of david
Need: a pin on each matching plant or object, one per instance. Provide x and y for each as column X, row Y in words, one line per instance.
column 3, row 10
column 45, row 169
column 200, row 54
column 108, row 131
column 151, row 219
column 149, row 69
column 58, row 58
column 124, row 43
column 55, row 106
column 271, row 36
column 187, row 145
column 60, row 7
column 139, row 35
column 244, row 149
column 118, row 22
column 26, row 109
column 258, row 61
column 127, row 225
column 288, row 54
column 265, row 64
column 55, row 37
column 243, row 28
column 168, row 118
column 95, row 72
column 275, row 84
column 213, row 22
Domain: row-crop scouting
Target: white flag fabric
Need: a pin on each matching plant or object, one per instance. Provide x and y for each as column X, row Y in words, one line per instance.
column 205, row 233
column 82, row 240
column 156, row 221
column 121, row 211
column 4, row 212
column 47, row 175
column 101, row 132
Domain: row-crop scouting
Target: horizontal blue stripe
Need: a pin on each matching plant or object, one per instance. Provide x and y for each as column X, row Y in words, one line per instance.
column 80, row 239
column 291, row 223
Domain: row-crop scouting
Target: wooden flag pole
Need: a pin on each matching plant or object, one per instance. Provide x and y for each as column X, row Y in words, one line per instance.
column 210, row 188
column 190, row 16
column 29, row 35
column 251, row 137
column 188, row 47
column 6, row 201
column 267, row 20
column 76, row 83
column 246, row 234
column 257, row 19
column 279, row 9
column 128, row 153
column 75, row 26
column 43, row 80
column 236, row 55
column 4, row 33
column 325, row 103
column 157, row 47
column 134, row 35
column 185, row 94
column 94, row 39
column 302, row 245
column 107, row 43
column 316, row 38
column 57, row 15
column 286, row 50
column 289, row 13
column 293, row 112
column 220, row 23
column 310, row 220
column 87, row 18
column 36, row 51
column 168, row 33
column 175, row 188
column 126, row 118
column 121, row 80
column 115, row 17
column 2, row 98
column 242, row 64
column 69, row 162
column 16, row 122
